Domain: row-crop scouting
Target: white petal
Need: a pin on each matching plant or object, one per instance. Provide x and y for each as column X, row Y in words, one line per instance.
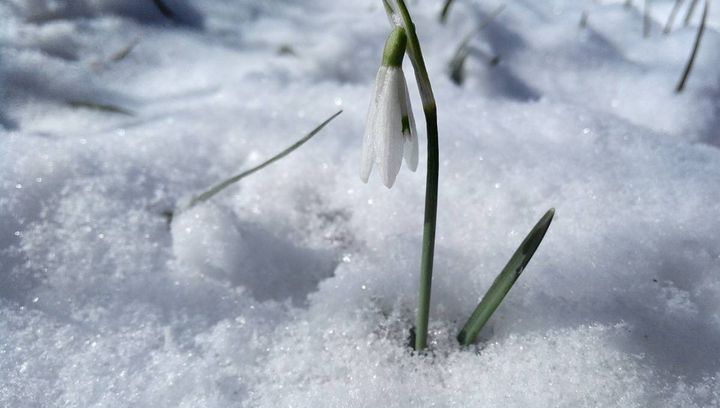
column 368, row 151
column 411, row 138
column 389, row 142
column 411, row 152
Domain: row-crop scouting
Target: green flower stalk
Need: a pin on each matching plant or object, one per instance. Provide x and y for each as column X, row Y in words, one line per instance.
column 400, row 19
column 400, row 16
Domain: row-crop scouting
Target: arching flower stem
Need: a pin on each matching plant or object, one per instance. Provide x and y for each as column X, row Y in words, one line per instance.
column 431, row 184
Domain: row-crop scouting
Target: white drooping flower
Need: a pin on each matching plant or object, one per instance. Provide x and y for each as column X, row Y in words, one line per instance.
column 390, row 132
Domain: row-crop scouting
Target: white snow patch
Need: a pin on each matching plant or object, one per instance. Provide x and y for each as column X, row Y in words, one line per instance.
column 297, row 287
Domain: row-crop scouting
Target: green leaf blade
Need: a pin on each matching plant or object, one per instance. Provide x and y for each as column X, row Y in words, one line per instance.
column 504, row 281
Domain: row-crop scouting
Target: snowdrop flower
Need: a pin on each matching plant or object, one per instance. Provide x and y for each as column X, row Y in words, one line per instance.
column 390, row 132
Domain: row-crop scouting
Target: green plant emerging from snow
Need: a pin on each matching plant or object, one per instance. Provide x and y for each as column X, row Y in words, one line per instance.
column 390, row 135
column 504, row 281
column 400, row 20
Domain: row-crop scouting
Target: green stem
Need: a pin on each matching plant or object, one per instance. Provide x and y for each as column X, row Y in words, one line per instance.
column 431, row 185
column 428, row 246
column 423, row 79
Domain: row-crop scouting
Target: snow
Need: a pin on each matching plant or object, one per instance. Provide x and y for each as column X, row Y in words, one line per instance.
column 297, row 287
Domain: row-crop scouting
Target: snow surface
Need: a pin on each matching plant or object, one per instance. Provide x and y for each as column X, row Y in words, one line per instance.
column 296, row 288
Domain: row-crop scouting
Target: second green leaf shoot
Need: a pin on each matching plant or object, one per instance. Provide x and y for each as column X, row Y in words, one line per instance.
column 505, row 280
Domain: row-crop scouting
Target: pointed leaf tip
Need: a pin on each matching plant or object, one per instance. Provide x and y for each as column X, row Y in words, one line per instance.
column 536, row 235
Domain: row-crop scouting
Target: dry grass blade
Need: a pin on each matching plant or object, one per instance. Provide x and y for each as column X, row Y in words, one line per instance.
column 445, row 10
column 647, row 21
column 584, row 19
column 103, row 107
column 457, row 62
column 124, row 51
column 690, row 12
column 164, row 9
column 234, row 179
column 696, row 46
column 671, row 17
